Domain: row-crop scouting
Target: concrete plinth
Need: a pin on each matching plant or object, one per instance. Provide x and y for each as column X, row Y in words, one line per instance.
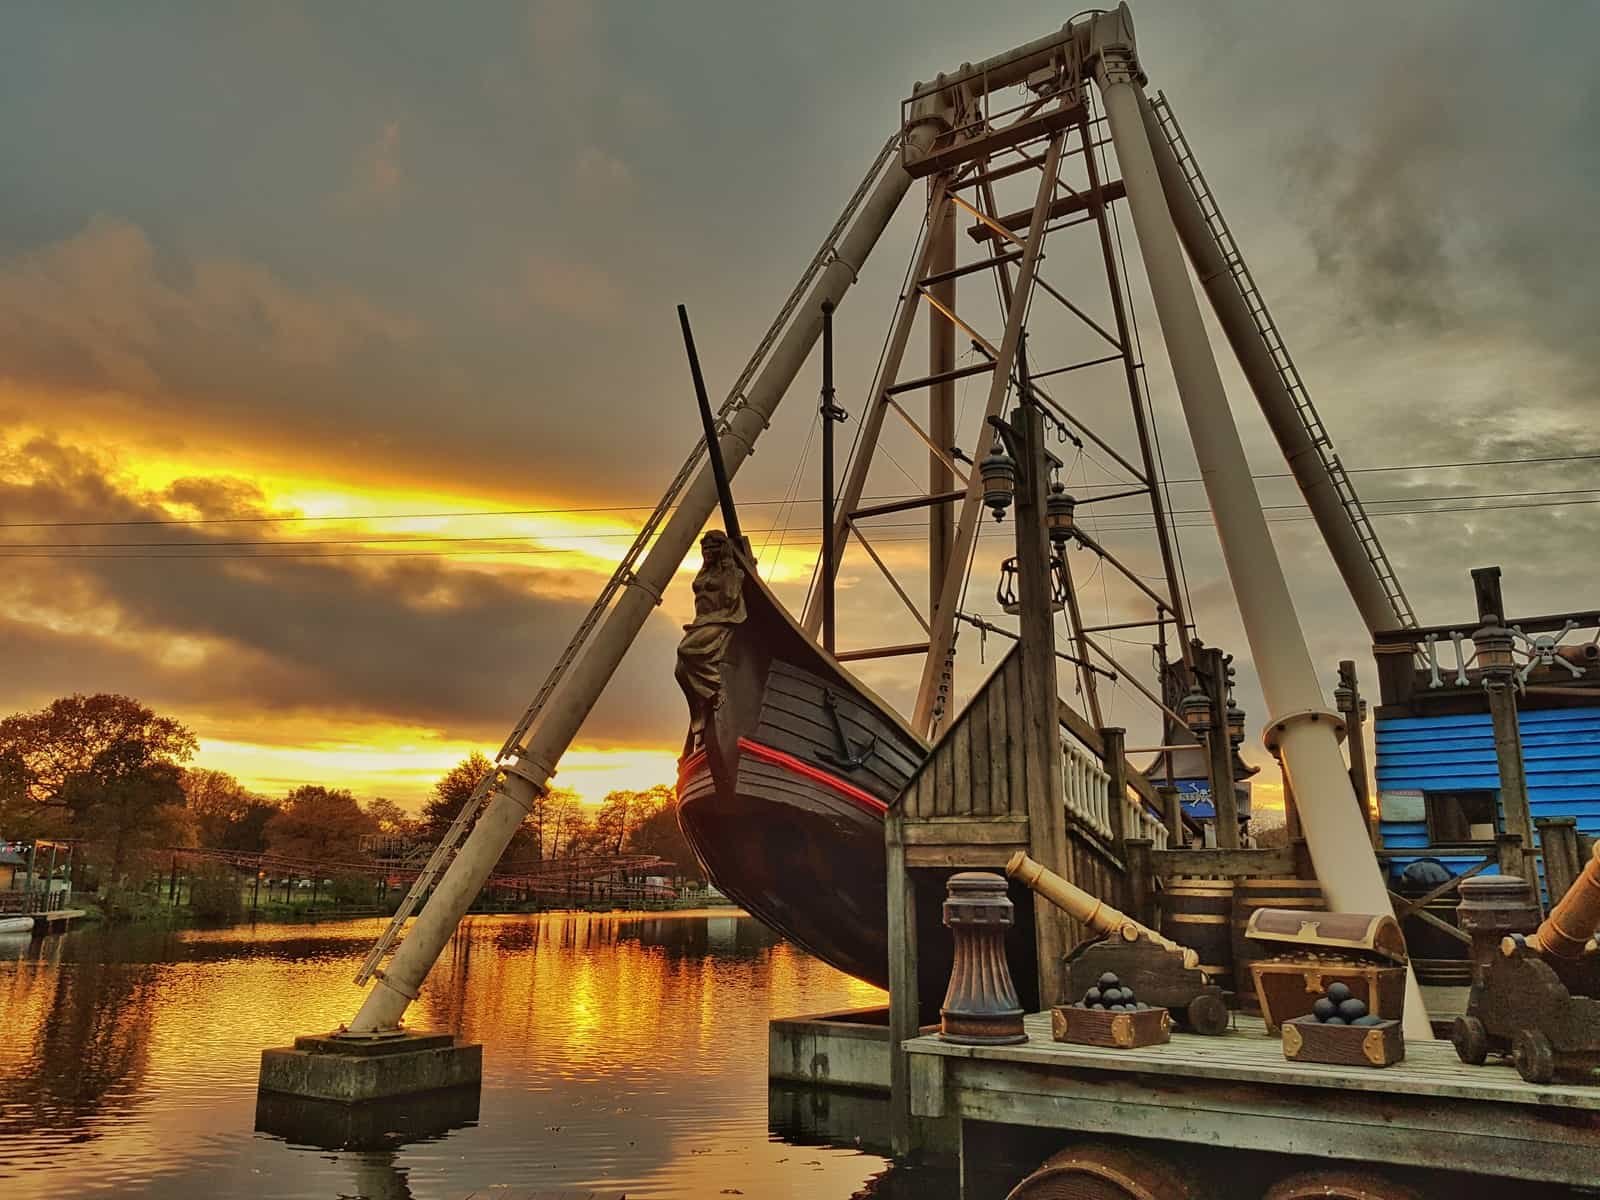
column 355, row 1070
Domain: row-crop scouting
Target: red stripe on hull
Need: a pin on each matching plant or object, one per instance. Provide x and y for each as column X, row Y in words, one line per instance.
column 790, row 763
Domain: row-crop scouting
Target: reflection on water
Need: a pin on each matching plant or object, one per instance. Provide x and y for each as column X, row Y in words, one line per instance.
column 624, row 1052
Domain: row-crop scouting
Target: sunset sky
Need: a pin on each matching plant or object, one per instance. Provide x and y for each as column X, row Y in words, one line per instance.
column 338, row 360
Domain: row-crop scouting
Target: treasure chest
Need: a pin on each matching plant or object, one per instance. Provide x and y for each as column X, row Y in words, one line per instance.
column 1305, row 1039
column 1314, row 950
column 1122, row 1030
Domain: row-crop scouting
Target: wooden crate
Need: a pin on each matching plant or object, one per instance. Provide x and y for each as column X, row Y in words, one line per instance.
column 1120, row 1030
column 1288, row 987
column 1306, row 1039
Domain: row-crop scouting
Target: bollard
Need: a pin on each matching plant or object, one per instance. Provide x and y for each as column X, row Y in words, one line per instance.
column 980, row 1006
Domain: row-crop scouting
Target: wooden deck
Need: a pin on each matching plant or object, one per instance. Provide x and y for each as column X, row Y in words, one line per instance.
column 1239, row 1092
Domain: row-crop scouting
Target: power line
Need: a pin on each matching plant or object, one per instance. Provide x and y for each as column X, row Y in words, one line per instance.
column 490, row 539
column 207, row 554
column 624, row 508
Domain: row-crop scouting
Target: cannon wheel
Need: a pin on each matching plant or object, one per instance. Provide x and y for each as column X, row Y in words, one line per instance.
column 1533, row 1055
column 1207, row 1013
column 1324, row 1184
column 1097, row 1172
column 1471, row 1040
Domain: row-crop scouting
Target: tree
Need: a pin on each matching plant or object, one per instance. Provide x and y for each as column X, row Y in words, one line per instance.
column 560, row 815
column 215, row 800
column 17, row 810
column 319, row 825
column 622, row 811
column 126, row 800
column 391, row 819
column 451, row 793
column 658, row 833
column 67, row 737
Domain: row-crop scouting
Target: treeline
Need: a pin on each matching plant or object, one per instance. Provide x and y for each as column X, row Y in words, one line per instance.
column 109, row 773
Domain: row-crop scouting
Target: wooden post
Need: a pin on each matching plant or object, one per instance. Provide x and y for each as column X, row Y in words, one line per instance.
column 1172, row 810
column 1220, row 752
column 1508, row 852
column 255, row 890
column 1113, row 741
column 1558, row 844
column 904, row 1011
column 1042, row 765
column 1141, row 887
column 1503, row 714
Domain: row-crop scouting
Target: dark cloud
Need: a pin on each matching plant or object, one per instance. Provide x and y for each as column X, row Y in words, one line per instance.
column 419, row 641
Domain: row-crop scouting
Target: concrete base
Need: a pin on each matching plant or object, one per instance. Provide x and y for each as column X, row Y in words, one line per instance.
column 828, row 1084
column 352, row 1071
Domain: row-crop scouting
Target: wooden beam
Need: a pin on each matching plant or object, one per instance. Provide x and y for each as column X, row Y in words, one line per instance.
column 1066, row 206
column 1271, row 860
column 1025, row 130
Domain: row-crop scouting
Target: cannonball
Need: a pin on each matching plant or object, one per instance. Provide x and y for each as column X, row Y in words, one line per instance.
column 1352, row 1008
column 1336, row 1021
column 1109, row 980
column 1119, row 1008
column 1098, row 1007
column 1324, row 1008
column 1092, row 996
column 1369, row 1019
column 1112, row 995
column 1339, row 992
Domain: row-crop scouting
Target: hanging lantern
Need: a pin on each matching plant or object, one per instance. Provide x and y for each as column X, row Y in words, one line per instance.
column 999, row 471
column 1344, row 697
column 1005, row 591
column 1195, row 709
column 1058, row 583
column 1494, row 644
column 1058, row 510
column 1235, row 724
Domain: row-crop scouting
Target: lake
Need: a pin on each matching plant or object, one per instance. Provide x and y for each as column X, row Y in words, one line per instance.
column 622, row 1051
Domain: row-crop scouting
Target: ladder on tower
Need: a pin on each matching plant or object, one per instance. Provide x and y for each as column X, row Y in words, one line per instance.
column 445, row 852
column 1281, row 359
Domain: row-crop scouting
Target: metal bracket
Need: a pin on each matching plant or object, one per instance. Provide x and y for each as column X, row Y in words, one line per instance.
column 629, row 579
column 1272, row 735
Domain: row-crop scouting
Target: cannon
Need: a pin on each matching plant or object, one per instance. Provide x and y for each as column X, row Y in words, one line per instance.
column 1160, row 971
column 1538, row 999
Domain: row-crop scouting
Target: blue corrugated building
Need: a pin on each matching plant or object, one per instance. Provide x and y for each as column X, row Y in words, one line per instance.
column 1439, row 784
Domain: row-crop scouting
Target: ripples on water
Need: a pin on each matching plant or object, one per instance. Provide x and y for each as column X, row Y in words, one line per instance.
column 622, row 1052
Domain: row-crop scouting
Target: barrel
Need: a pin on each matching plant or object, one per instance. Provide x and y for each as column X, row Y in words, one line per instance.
column 1249, row 895
column 1194, row 913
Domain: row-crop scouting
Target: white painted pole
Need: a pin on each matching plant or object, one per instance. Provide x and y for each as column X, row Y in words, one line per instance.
column 397, row 985
column 1301, row 723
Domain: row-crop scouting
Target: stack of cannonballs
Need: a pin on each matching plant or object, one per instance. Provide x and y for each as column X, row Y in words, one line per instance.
column 1338, row 1006
column 1110, row 996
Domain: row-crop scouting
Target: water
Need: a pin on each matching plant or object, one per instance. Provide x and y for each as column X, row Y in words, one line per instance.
column 622, row 1052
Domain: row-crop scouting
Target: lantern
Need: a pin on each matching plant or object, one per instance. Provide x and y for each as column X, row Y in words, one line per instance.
column 1494, row 644
column 999, row 471
column 1344, row 697
column 1235, row 724
column 1058, row 510
column 1195, row 709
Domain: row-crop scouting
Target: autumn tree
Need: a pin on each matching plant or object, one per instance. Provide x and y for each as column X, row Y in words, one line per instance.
column 392, row 820
column 125, row 800
column 622, row 811
column 65, row 739
column 319, row 825
column 658, row 833
column 451, row 793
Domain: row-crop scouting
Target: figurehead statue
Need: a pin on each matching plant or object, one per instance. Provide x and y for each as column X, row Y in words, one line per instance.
column 718, row 607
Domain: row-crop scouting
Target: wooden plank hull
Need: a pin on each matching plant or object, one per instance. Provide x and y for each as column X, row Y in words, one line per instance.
column 783, row 796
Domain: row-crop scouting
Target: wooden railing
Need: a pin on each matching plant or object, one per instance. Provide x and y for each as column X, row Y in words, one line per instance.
column 1088, row 795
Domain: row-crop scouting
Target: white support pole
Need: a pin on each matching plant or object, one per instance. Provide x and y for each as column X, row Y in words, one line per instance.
column 398, row 984
column 1301, row 725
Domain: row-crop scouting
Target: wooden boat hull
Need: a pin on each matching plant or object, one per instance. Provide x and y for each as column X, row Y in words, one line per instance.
column 783, row 796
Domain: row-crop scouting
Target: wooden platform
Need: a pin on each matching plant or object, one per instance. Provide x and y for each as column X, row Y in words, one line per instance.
column 1238, row 1092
